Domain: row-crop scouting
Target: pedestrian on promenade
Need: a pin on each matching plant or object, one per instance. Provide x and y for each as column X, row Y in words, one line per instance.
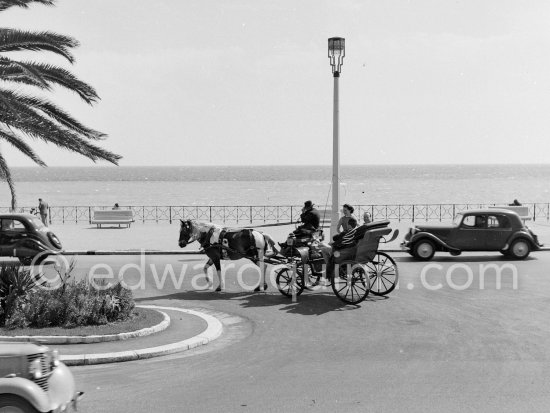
column 43, row 209
column 343, row 223
column 116, row 206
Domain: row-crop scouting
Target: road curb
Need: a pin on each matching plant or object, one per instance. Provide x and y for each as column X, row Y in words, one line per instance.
column 213, row 330
column 95, row 338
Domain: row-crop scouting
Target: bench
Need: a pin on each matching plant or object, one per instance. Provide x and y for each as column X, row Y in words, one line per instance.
column 113, row 217
column 522, row 211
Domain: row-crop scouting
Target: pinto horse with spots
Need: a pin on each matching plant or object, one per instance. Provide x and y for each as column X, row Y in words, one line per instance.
column 221, row 243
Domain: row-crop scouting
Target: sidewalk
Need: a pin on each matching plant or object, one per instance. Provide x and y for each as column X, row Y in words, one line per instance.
column 165, row 236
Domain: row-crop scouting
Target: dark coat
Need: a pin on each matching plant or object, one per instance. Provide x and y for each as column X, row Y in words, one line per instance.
column 311, row 219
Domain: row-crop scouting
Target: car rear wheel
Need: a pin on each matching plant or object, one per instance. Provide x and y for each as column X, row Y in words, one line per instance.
column 424, row 250
column 519, row 249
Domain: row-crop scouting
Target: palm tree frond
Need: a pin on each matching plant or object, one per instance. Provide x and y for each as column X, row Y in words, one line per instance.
column 27, row 120
column 6, row 4
column 15, row 40
column 10, row 98
column 21, row 145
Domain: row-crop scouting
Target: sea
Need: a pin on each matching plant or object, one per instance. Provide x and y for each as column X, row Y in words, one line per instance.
column 278, row 185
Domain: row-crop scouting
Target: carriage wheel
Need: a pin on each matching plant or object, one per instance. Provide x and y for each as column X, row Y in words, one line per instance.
column 312, row 277
column 383, row 274
column 352, row 283
column 285, row 285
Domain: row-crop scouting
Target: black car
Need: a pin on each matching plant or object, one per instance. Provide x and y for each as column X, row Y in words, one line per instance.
column 25, row 236
column 475, row 230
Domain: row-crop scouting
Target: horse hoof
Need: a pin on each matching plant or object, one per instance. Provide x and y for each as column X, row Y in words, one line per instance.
column 257, row 289
column 218, row 289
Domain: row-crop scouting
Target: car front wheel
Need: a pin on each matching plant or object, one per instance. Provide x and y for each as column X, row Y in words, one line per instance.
column 519, row 249
column 424, row 250
column 15, row 404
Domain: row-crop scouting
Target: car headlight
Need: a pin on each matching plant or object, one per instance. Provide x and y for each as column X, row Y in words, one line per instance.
column 54, row 240
column 35, row 368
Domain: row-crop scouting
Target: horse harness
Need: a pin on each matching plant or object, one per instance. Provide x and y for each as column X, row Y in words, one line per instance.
column 223, row 244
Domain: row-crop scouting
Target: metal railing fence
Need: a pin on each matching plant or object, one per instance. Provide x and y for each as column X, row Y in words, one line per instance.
column 266, row 214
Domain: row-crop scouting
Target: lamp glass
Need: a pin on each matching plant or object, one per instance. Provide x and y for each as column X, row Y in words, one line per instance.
column 336, row 52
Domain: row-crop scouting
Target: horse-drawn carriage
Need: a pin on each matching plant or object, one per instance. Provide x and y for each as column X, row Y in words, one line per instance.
column 361, row 270
column 303, row 259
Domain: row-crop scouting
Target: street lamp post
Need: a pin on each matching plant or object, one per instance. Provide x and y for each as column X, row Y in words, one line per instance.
column 336, row 53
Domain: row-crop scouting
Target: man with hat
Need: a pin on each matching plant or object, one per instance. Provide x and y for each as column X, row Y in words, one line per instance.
column 310, row 218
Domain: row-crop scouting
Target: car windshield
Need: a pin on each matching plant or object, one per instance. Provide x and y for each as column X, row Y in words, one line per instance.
column 458, row 219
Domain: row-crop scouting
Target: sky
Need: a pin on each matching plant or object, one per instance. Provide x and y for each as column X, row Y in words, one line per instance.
column 248, row 82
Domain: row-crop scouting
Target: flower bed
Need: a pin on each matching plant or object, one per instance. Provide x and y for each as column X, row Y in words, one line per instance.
column 27, row 302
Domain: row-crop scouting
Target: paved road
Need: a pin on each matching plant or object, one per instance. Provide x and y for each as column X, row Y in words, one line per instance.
column 444, row 343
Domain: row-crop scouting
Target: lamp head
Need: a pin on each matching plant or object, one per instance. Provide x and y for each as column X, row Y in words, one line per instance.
column 336, row 53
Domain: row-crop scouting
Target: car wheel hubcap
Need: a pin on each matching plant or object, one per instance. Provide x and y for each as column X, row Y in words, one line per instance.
column 424, row 250
column 520, row 249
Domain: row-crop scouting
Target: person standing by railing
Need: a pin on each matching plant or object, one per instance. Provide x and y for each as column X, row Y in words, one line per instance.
column 43, row 209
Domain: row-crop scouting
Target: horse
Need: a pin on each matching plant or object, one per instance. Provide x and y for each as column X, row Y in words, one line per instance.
column 221, row 243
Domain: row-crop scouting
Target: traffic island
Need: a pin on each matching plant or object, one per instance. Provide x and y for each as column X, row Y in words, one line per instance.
column 188, row 329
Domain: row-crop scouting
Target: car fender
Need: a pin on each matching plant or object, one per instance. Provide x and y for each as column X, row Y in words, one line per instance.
column 32, row 243
column 27, row 390
column 520, row 234
column 443, row 245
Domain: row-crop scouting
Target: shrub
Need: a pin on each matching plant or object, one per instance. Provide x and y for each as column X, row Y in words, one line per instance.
column 72, row 304
column 15, row 282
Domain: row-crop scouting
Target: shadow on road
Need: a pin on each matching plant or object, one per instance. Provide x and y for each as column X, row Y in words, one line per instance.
column 306, row 304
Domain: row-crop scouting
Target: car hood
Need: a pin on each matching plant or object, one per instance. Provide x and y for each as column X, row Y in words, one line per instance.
column 441, row 231
column 19, row 349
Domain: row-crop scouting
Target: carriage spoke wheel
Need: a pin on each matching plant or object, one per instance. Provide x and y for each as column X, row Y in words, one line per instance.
column 285, row 284
column 383, row 274
column 312, row 277
column 352, row 283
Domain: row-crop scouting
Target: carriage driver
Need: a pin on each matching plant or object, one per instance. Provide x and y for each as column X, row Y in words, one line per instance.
column 310, row 218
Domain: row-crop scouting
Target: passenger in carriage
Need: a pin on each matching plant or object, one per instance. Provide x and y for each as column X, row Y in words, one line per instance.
column 343, row 246
column 366, row 218
column 343, row 223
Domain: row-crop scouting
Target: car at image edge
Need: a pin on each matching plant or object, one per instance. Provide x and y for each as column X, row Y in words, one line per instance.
column 32, row 379
column 25, row 236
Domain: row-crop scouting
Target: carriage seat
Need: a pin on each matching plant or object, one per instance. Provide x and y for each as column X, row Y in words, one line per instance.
column 377, row 224
column 368, row 246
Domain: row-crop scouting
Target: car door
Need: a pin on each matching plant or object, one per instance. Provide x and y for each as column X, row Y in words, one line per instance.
column 471, row 234
column 13, row 233
column 499, row 229
column 4, row 246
